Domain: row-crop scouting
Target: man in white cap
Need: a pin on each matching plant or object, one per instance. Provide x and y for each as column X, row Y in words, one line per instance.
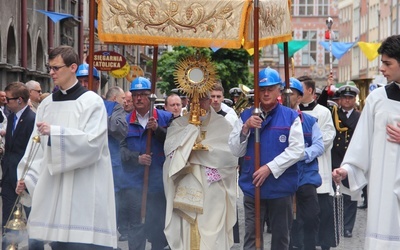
column 345, row 119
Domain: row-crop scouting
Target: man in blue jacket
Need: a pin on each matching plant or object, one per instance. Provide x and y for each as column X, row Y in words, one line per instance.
column 134, row 160
column 305, row 226
column 281, row 146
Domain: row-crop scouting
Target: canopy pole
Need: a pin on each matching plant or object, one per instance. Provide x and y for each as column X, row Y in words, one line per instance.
column 92, row 14
column 149, row 134
column 287, row 91
column 257, row 112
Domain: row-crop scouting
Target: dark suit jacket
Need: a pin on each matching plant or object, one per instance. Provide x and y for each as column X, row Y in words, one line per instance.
column 342, row 139
column 16, row 144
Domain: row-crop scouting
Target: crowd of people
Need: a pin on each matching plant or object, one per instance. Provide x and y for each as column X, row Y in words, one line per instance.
column 111, row 169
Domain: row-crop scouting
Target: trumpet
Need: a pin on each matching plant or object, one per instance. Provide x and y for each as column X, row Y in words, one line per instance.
column 243, row 100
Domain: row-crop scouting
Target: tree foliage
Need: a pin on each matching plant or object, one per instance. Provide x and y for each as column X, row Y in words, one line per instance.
column 231, row 66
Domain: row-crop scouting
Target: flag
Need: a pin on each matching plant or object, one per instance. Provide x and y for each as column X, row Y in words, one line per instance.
column 338, row 48
column 370, row 50
column 294, row 46
column 55, row 16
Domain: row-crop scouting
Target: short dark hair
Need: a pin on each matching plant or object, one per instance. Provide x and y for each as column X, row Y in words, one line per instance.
column 391, row 47
column 308, row 81
column 18, row 89
column 67, row 53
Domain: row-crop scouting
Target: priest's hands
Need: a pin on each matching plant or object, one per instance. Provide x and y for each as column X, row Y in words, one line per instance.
column 393, row 131
column 145, row 159
column 339, row 174
column 152, row 124
column 20, row 187
column 43, row 128
column 261, row 175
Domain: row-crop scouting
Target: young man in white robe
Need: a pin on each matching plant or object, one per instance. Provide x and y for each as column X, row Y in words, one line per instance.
column 70, row 179
column 376, row 139
column 200, row 186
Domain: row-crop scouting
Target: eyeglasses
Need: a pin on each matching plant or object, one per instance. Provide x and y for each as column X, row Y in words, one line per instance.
column 54, row 68
column 39, row 91
column 141, row 95
column 12, row 98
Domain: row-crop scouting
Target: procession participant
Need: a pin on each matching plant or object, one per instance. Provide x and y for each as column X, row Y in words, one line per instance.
column 128, row 105
column 217, row 97
column 134, row 160
column 71, row 174
column 326, row 234
column 281, row 146
column 345, row 119
column 19, row 128
column 173, row 104
column 117, row 128
column 83, row 76
column 211, row 174
column 373, row 154
column 34, row 94
column 305, row 227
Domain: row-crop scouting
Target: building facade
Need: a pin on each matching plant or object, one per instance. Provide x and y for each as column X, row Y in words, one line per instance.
column 27, row 35
column 309, row 23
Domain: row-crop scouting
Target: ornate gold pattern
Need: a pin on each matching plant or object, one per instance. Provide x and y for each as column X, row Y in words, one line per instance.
column 200, row 23
column 190, row 87
column 178, row 17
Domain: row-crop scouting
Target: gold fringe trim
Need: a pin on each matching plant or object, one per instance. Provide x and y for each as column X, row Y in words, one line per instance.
column 187, row 207
column 184, row 216
column 194, row 236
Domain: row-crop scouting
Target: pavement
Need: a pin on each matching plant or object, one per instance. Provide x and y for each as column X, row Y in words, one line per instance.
column 354, row 243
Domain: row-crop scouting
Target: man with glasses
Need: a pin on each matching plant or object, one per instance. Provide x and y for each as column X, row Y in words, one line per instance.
column 34, row 93
column 135, row 158
column 70, row 179
column 19, row 128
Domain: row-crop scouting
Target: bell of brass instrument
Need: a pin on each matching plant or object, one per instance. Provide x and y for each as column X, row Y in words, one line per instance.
column 243, row 100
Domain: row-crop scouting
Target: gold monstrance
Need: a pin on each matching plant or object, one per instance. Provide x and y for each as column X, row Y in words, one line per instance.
column 195, row 75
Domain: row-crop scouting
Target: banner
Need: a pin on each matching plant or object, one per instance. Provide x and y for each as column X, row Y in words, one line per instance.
column 370, row 50
column 338, row 48
column 294, row 46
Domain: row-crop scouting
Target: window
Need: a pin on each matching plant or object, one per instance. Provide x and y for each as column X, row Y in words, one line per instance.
column 323, row 7
column 306, row 7
column 309, row 55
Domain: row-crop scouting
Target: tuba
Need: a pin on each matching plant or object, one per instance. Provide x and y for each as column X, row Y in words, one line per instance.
column 243, row 101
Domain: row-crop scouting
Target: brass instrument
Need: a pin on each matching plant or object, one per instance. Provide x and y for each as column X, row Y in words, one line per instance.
column 243, row 102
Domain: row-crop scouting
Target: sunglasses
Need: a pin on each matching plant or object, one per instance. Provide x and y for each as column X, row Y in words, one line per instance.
column 12, row 98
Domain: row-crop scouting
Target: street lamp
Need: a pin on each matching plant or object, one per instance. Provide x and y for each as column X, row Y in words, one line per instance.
column 329, row 23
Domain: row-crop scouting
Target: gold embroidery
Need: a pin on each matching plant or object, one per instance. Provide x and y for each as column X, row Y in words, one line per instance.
column 174, row 18
column 226, row 24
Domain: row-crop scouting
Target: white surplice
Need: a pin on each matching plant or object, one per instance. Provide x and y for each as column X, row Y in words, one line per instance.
column 371, row 159
column 328, row 131
column 70, row 180
column 210, row 206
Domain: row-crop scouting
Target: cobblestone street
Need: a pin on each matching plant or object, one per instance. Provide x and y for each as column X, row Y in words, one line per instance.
column 354, row 243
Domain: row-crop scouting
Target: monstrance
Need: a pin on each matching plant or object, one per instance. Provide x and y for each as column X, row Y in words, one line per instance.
column 195, row 75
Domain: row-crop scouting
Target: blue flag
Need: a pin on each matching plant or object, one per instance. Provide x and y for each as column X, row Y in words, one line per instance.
column 338, row 48
column 55, row 16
